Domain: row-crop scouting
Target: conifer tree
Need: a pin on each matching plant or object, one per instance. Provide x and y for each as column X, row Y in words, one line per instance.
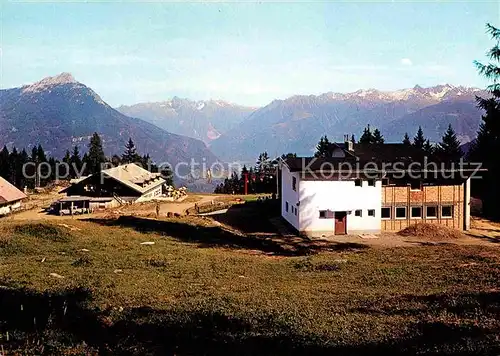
column 377, row 137
column 5, row 163
column 487, row 146
column 449, row 147
column 75, row 162
column 95, row 157
column 428, row 148
column 367, row 136
column 419, row 139
column 323, row 147
column 406, row 139
column 130, row 155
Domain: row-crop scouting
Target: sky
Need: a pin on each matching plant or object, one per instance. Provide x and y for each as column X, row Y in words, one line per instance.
column 248, row 53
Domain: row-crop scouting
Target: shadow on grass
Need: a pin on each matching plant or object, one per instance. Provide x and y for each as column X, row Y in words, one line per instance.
column 250, row 217
column 64, row 323
column 455, row 323
column 215, row 236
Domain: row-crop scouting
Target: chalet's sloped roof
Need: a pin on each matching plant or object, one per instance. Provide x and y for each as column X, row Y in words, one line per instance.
column 9, row 193
column 387, row 152
column 384, row 156
column 130, row 175
column 134, row 177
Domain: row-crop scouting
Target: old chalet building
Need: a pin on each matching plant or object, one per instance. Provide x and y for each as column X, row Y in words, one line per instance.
column 127, row 183
column 372, row 188
column 10, row 197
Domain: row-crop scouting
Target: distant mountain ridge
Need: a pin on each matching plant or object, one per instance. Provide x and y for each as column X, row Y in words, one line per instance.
column 296, row 124
column 59, row 112
column 204, row 120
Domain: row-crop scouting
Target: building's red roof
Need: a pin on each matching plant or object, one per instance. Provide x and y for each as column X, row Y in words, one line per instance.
column 9, row 193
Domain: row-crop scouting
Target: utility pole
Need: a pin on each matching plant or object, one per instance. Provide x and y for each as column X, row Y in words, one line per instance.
column 245, row 177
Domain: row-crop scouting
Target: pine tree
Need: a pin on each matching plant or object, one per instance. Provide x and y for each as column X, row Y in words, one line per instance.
column 419, row 139
column 406, row 139
column 449, row 147
column 323, row 147
column 263, row 163
column 367, row 136
column 75, row 162
column 67, row 157
column 95, row 156
column 5, row 163
column 377, row 137
column 428, row 148
column 22, row 159
column 13, row 158
column 130, row 155
column 41, row 154
column 487, row 146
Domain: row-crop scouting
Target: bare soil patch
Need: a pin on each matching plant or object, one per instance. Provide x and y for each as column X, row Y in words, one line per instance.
column 431, row 232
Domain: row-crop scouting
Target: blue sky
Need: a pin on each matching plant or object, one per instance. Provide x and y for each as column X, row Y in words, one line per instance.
column 248, row 53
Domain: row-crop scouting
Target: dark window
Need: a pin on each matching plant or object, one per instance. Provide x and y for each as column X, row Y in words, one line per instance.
column 286, row 207
column 371, row 182
column 431, row 212
column 371, row 212
column 400, row 212
column 416, row 185
column 416, row 212
column 446, row 211
column 358, row 212
column 358, row 182
column 295, row 211
column 386, row 213
column 294, row 183
column 326, row 214
column 385, row 181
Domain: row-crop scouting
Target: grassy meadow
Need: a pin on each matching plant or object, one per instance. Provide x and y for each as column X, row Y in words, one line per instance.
column 91, row 287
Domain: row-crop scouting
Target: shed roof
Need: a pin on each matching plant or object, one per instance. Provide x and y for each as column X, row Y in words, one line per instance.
column 130, row 175
column 9, row 193
column 135, row 177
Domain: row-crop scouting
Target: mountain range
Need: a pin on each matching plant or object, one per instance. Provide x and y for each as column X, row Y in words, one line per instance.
column 59, row 112
column 296, row 124
column 204, row 120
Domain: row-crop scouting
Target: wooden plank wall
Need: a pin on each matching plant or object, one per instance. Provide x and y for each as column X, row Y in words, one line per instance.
column 437, row 195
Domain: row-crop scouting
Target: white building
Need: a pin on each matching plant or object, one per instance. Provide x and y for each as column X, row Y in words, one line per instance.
column 328, row 207
column 341, row 194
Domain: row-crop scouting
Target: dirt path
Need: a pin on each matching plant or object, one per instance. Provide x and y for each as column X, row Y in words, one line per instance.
column 37, row 213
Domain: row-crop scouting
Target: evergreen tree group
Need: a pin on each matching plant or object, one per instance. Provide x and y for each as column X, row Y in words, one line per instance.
column 486, row 147
column 38, row 170
column 369, row 137
column 322, row 147
column 259, row 179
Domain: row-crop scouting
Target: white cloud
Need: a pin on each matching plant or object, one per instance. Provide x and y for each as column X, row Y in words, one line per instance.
column 406, row 62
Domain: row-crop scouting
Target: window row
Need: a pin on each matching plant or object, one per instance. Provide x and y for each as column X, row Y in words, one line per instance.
column 359, row 182
column 329, row 214
column 416, row 212
column 359, row 212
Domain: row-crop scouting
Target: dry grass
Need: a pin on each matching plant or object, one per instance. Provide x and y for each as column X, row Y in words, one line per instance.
column 192, row 292
column 431, row 232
